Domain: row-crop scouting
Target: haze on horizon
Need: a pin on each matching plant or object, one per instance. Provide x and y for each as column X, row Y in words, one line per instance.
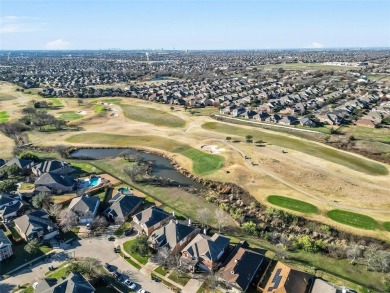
column 194, row 25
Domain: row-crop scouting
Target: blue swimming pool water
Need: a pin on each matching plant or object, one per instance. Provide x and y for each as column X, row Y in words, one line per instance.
column 94, row 181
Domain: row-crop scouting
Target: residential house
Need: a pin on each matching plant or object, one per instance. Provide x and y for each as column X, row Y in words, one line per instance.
column 284, row 279
column 321, row 286
column 206, row 252
column 123, row 205
column 307, row 122
column 36, row 225
column 74, row 282
column 86, row 208
column 52, row 166
column 147, row 221
column 5, row 246
column 241, row 268
column 24, row 165
column 174, row 236
column 57, row 183
column 365, row 123
column 288, row 120
column 10, row 206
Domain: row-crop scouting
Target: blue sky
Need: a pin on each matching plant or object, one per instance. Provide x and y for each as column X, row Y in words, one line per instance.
column 185, row 24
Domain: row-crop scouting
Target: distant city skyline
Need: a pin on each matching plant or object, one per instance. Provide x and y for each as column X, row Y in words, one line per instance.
column 193, row 25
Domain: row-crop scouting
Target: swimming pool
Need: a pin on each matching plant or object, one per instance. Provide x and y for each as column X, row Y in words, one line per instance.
column 94, row 181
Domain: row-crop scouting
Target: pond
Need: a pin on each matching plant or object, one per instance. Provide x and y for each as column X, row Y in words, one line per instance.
column 162, row 167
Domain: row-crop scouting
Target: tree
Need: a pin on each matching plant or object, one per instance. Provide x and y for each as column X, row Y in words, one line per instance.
column 29, row 156
column 164, row 258
column 99, row 223
column 32, row 246
column 250, row 228
column 86, row 266
column 80, row 101
column 228, row 138
column 204, row 216
column 371, row 254
column 140, row 246
column 67, row 220
column 222, row 219
column 54, row 209
column 172, row 108
column 40, row 200
column 8, row 185
column 354, row 251
column 306, row 243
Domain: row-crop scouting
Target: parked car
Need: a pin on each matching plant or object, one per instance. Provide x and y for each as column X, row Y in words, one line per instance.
column 128, row 232
column 130, row 284
column 89, row 226
column 111, row 238
column 143, row 291
column 109, row 267
column 116, row 275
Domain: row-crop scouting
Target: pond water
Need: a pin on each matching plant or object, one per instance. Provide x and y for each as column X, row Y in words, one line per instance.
column 162, row 166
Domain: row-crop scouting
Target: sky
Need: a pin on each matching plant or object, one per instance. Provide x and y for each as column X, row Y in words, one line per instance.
column 193, row 24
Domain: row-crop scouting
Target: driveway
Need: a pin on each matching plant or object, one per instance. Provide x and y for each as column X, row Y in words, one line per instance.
column 98, row 248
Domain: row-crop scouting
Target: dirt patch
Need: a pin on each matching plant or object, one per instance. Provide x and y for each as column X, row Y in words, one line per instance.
column 213, row 149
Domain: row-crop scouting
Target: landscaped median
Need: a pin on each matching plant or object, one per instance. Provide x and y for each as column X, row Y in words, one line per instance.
column 292, row 204
column 203, row 163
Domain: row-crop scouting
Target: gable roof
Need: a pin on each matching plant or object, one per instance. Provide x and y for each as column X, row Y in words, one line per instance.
column 21, row 163
column 287, row 280
column 5, row 198
column 49, row 178
column 241, row 266
column 50, row 166
column 209, row 248
column 34, row 222
column 171, row 234
column 84, row 205
column 4, row 241
column 74, row 283
column 152, row 216
column 124, row 206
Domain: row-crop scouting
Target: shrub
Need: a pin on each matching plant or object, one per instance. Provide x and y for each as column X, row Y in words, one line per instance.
column 250, row 228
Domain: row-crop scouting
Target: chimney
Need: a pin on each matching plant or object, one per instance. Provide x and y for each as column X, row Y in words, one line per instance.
column 205, row 231
column 173, row 213
column 189, row 222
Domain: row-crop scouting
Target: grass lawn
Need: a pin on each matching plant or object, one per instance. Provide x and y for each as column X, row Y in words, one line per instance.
column 99, row 108
column 353, row 219
column 130, row 261
column 56, row 102
column 72, row 234
column 69, row 116
column 387, row 226
column 307, row 147
column 166, row 283
column 292, row 204
column 179, row 278
column 83, row 167
column 142, row 259
column 152, row 116
column 161, row 271
column 4, row 117
column 21, row 257
column 122, row 228
column 203, row 163
column 59, row 273
column 63, row 199
column 15, row 235
column 27, row 186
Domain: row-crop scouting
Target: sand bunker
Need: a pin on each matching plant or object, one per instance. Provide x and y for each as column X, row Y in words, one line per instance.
column 82, row 112
column 212, row 149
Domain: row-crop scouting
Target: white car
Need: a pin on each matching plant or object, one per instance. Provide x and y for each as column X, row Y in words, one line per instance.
column 142, row 291
column 129, row 284
column 35, row 285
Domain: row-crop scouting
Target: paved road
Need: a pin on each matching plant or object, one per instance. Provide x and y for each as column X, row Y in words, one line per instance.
column 99, row 248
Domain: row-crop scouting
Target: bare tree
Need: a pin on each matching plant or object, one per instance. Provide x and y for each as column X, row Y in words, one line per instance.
column 371, row 255
column 281, row 251
column 204, row 216
column 353, row 252
column 67, row 220
column 222, row 219
column 55, row 209
column 99, row 223
column 384, row 257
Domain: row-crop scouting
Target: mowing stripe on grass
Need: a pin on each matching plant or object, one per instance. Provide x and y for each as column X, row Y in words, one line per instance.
column 387, row 226
column 353, row 219
column 4, row 117
column 292, row 204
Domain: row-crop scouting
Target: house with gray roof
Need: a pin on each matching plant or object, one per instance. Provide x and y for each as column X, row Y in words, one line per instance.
column 52, row 166
column 36, row 225
column 24, row 165
column 124, row 205
column 5, row 246
column 57, row 183
column 147, row 221
column 10, row 206
column 86, row 208
column 174, row 236
column 205, row 252
column 74, row 283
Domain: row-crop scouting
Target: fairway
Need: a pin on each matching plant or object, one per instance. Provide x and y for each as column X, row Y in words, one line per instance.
column 292, row 204
column 387, row 226
column 152, row 116
column 70, row 116
column 203, row 163
column 353, row 219
column 56, row 102
column 4, row 117
column 6, row 97
column 332, row 155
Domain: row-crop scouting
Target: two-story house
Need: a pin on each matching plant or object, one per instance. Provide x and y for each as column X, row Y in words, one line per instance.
column 52, row 166
column 174, row 236
column 85, row 207
column 5, row 246
column 10, row 206
column 149, row 220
